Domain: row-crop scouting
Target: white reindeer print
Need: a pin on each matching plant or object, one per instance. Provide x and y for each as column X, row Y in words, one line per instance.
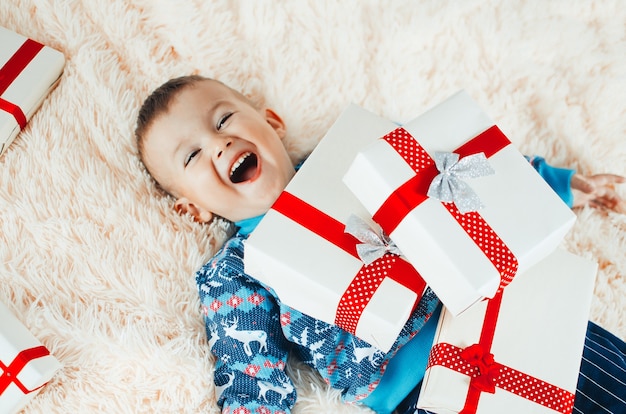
column 314, row 347
column 223, row 272
column 215, row 336
column 370, row 352
column 246, row 337
column 219, row 389
column 284, row 389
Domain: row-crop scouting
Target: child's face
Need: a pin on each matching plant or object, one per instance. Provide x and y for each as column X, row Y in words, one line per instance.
column 217, row 154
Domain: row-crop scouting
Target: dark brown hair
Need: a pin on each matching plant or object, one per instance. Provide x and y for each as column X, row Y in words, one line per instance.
column 157, row 103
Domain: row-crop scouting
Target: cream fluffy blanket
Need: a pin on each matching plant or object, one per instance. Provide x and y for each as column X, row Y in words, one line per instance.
column 100, row 267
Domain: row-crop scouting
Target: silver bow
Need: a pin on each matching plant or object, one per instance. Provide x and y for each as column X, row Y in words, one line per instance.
column 373, row 245
column 449, row 186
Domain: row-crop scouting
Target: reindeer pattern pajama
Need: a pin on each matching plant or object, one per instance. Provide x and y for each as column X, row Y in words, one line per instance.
column 251, row 334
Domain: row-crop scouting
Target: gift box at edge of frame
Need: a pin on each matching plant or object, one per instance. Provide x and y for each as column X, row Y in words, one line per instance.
column 29, row 71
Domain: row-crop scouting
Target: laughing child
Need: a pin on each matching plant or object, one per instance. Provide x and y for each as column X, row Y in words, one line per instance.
column 217, row 154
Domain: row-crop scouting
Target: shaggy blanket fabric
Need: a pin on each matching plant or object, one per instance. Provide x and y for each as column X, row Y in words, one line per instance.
column 97, row 264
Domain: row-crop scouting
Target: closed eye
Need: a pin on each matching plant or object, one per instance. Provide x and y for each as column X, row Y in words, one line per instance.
column 222, row 121
column 191, row 156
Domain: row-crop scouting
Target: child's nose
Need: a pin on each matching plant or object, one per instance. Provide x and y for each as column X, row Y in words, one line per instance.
column 221, row 146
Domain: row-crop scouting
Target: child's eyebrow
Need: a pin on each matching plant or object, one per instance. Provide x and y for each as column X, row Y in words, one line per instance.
column 209, row 115
column 178, row 147
column 216, row 105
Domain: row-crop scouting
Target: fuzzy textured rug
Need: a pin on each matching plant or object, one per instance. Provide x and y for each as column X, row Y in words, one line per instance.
column 100, row 267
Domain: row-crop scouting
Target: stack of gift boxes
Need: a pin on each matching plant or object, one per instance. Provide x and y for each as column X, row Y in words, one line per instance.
column 28, row 72
column 466, row 215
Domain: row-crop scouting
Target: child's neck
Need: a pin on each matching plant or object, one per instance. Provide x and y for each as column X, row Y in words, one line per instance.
column 246, row 226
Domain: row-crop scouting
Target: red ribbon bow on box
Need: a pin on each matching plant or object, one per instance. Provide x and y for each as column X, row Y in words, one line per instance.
column 480, row 358
column 368, row 279
column 477, row 362
column 414, row 192
column 10, row 372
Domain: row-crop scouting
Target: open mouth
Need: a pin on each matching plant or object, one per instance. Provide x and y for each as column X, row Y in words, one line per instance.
column 244, row 168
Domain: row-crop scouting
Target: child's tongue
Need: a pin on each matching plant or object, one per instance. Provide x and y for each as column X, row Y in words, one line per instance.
column 246, row 170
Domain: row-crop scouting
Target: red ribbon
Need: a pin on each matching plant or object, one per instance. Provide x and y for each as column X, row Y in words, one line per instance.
column 413, row 192
column 10, row 71
column 15, row 367
column 477, row 356
column 486, row 374
column 368, row 279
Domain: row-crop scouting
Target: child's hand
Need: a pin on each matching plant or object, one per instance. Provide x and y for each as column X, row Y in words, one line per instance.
column 597, row 191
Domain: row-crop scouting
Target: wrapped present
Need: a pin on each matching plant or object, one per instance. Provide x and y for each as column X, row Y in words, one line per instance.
column 518, row 352
column 28, row 72
column 460, row 201
column 26, row 365
column 302, row 250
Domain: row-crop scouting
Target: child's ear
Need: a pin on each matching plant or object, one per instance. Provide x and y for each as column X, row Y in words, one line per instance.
column 276, row 122
column 184, row 206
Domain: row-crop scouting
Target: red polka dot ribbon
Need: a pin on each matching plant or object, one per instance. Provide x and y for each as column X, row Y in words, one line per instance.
column 486, row 373
column 10, row 71
column 11, row 371
column 413, row 192
column 369, row 277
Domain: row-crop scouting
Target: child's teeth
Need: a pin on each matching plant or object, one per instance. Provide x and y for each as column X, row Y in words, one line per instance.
column 238, row 162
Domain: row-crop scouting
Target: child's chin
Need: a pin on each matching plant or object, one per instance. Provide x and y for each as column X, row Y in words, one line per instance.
column 267, row 197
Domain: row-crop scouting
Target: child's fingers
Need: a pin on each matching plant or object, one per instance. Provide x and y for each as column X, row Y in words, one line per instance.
column 606, row 179
column 610, row 200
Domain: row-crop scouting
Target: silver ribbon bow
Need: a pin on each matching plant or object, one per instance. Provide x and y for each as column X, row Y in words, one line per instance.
column 449, row 186
column 374, row 245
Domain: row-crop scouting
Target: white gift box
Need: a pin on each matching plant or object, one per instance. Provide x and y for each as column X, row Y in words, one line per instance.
column 25, row 364
column 28, row 72
column 537, row 332
column 308, row 270
column 528, row 217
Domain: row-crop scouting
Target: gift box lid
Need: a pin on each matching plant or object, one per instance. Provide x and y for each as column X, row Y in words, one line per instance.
column 28, row 72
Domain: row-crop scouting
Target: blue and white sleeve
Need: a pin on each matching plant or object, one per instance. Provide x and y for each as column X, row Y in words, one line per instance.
column 243, row 326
